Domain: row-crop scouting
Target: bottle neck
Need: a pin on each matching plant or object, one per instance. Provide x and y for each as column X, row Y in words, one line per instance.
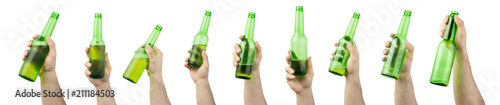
column 154, row 35
column 451, row 28
column 299, row 22
column 403, row 26
column 205, row 23
column 49, row 27
column 351, row 29
column 249, row 29
column 98, row 27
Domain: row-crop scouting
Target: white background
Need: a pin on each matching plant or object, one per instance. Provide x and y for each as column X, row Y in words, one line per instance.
column 128, row 23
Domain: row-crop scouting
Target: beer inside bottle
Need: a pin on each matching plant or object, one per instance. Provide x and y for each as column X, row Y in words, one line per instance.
column 141, row 59
column 97, row 50
column 445, row 54
column 247, row 46
column 39, row 49
column 298, row 49
column 200, row 42
column 396, row 52
column 342, row 54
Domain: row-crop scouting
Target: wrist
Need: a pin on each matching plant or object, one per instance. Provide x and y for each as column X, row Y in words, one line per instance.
column 304, row 93
column 352, row 76
column 103, row 86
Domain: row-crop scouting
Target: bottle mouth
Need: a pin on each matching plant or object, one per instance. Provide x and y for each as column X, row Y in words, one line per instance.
column 299, row 8
column 407, row 13
column 454, row 12
column 98, row 15
column 208, row 13
column 54, row 15
column 356, row 15
column 251, row 14
column 158, row 27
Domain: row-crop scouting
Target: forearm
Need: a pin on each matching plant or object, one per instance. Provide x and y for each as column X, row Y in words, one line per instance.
column 204, row 93
column 105, row 100
column 404, row 94
column 305, row 97
column 464, row 86
column 253, row 90
column 353, row 94
column 158, row 93
column 49, row 82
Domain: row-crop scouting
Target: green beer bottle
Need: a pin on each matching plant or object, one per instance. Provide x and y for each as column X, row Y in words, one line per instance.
column 97, row 50
column 396, row 52
column 247, row 46
column 445, row 54
column 39, row 49
column 342, row 54
column 141, row 59
column 200, row 42
column 298, row 55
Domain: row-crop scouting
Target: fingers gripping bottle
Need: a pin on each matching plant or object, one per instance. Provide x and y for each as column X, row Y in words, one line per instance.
column 342, row 54
column 141, row 58
column 445, row 54
column 298, row 49
column 396, row 52
column 97, row 50
column 39, row 49
column 200, row 42
column 247, row 46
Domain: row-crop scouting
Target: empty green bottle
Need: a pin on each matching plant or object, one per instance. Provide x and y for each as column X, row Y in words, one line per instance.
column 298, row 49
column 39, row 49
column 342, row 54
column 97, row 50
column 445, row 54
column 141, row 58
column 396, row 52
column 247, row 46
column 200, row 42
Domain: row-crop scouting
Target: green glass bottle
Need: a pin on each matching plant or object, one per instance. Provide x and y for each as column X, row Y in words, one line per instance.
column 396, row 52
column 342, row 54
column 39, row 49
column 97, row 50
column 445, row 54
column 247, row 46
column 200, row 42
column 298, row 57
column 141, row 59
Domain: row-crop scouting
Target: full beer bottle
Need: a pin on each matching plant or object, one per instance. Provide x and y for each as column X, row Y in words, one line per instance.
column 141, row 58
column 298, row 49
column 97, row 50
column 247, row 46
column 396, row 52
column 445, row 54
column 200, row 42
column 342, row 54
column 39, row 49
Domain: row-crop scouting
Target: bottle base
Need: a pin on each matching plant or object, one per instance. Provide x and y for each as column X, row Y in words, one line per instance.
column 27, row 78
column 390, row 76
column 440, row 84
column 130, row 80
column 339, row 72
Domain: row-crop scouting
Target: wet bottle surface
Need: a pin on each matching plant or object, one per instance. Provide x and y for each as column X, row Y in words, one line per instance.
column 396, row 52
column 39, row 49
column 338, row 66
column 445, row 54
column 298, row 49
column 141, row 59
column 97, row 50
column 200, row 42
column 247, row 46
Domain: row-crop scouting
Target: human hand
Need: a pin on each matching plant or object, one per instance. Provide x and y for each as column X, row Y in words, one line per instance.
column 198, row 73
column 409, row 56
column 460, row 38
column 155, row 61
column 258, row 55
column 98, row 83
column 50, row 60
column 353, row 62
column 299, row 84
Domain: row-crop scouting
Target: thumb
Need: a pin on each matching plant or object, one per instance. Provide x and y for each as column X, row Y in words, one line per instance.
column 51, row 44
column 149, row 50
column 205, row 57
column 310, row 65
